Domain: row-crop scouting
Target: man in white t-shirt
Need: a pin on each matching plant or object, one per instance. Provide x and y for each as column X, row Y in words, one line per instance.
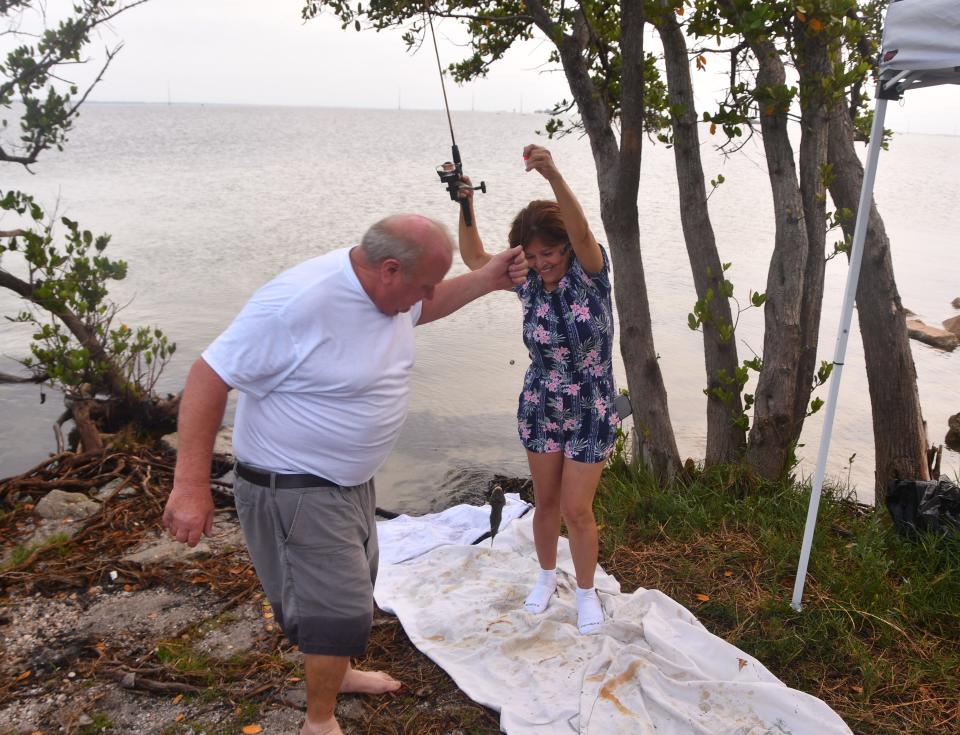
column 321, row 356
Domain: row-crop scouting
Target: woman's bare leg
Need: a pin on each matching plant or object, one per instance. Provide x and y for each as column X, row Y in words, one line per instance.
column 546, row 472
column 578, row 488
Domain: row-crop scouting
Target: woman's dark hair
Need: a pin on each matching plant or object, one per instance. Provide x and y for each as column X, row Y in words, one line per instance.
column 539, row 219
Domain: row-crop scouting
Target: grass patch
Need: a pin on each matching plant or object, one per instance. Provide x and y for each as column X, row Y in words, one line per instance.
column 879, row 636
column 21, row 553
column 185, row 660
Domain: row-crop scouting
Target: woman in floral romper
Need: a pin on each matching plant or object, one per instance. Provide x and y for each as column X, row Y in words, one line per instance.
column 566, row 419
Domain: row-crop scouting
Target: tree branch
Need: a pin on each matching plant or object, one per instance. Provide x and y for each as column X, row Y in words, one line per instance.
column 114, row 381
column 8, row 378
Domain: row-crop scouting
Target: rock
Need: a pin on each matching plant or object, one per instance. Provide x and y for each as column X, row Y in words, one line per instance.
column 952, row 325
column 236, row 635
column 226, row 532
column 351, row 709
column 59, row 505
column 48, row 529
column 104, row 492
column 297, row 698
column 223, row 444
column 956, row 303
column 137, row 618
column 907, row 312
column 933, row 336
column 163, row 551
column 952, row 440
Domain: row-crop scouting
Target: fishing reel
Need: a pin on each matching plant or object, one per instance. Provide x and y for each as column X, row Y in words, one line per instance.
column 450, row 173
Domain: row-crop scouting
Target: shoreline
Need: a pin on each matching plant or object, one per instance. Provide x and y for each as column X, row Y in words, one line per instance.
column 118, row 619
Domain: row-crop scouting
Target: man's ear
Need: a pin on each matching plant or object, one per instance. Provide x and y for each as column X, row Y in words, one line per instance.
column 390, row 270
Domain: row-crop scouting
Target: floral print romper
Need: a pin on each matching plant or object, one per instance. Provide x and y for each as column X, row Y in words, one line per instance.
column 568, row 392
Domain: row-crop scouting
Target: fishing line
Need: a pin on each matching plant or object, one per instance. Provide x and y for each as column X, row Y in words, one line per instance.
column 450, row 172
column 443, row 86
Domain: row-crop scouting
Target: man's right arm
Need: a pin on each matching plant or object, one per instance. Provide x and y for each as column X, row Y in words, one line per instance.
column 189, row 510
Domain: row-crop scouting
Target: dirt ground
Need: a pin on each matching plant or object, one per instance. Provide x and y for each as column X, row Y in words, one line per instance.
column 106, row 626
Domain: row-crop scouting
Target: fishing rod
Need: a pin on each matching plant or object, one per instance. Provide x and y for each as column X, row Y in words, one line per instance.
column 451, row 171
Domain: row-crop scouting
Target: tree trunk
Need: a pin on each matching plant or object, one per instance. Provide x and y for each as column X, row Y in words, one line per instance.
column 618, row 177
column 90, row 440
column 775, row 420
column 899, row 435
column 725, row 440
column 813, row 64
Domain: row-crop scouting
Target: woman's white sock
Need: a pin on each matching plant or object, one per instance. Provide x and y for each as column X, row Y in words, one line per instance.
column 589, row 610
column 543, row 590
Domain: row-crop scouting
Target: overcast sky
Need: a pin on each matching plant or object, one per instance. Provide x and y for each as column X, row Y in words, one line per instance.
column 261, row 52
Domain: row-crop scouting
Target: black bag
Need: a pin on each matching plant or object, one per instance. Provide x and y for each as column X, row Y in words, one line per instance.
column 920, row 506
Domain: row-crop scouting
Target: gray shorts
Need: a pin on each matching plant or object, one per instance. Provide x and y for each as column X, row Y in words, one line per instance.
column 315, row 551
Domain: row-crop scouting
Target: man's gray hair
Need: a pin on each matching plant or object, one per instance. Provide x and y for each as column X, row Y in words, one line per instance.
column 383, row 241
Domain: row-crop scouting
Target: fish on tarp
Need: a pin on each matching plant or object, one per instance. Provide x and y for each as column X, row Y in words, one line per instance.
column 497, row 501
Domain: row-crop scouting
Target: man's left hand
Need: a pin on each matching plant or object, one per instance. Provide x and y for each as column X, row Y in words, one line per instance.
column 507, row 268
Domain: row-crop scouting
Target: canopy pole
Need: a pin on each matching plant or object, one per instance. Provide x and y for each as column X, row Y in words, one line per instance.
column 846, row 314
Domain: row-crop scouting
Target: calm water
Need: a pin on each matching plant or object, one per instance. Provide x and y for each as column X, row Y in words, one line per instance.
column 207, row 203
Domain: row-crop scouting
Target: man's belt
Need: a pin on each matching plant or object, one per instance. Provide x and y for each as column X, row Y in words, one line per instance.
column 281, row 480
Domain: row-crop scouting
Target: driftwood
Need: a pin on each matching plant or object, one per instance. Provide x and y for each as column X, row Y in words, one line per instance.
column 90, row 439
column 8, row 378
column 131, row 680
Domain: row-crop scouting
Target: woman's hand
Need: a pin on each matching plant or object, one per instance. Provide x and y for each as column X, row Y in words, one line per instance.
column 537, row 158
column 466, row 188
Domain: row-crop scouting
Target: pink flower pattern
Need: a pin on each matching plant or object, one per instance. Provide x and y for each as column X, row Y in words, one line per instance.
column 581, row 312
column 567, row 397
column 601, row 406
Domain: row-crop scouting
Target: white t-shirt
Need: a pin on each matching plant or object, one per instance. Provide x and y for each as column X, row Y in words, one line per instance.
column 323, row 373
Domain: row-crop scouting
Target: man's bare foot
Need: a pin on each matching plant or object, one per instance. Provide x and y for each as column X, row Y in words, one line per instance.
column 368, row 682
column 328, row 727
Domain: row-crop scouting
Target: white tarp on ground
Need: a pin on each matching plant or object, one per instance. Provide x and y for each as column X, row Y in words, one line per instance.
column 405, row 537
column 652, row 667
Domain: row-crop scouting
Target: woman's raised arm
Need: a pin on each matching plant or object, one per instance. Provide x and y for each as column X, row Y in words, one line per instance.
column 471, row 246
column 584, row 244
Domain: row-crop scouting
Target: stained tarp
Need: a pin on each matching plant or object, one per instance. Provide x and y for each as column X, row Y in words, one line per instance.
column 652, row 668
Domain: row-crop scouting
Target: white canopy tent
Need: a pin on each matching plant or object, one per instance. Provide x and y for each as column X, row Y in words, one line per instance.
column 921, row 48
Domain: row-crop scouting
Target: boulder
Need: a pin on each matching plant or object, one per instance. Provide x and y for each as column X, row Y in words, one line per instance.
column 952, row 325
column 956, row 303
column 952, row 440
column 933, row 336
column 104, row 492
column 222, row 445
column 163, row 551
column 59, row 505
column 46, row 532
